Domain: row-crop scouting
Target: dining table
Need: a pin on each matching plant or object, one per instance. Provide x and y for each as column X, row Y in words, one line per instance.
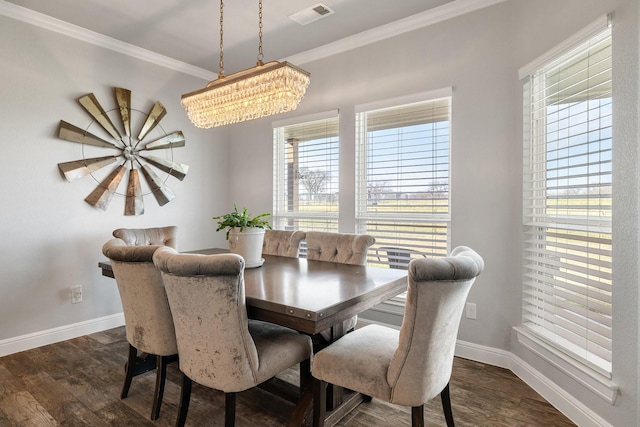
column 312, row 296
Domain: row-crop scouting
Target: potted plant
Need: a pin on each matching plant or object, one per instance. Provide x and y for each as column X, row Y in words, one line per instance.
column 245, row 234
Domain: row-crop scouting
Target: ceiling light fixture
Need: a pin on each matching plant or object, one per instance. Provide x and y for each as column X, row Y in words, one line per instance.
column 264, row 90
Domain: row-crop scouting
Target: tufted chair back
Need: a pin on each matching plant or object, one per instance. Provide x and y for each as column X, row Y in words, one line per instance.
column 438, row 288
column 219, row 347
column 282, row 243
column 148, row 321
column 338, row 247
column 204, row 291
column 163, row 236
column 147, row 318
column 411, row 366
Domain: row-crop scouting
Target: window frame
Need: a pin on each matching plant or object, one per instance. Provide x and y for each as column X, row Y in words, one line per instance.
column 595, row 376
column 281, row 217
column 401, row 219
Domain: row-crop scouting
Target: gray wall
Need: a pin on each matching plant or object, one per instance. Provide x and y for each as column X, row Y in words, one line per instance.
column 52, row 239
column 479, row 55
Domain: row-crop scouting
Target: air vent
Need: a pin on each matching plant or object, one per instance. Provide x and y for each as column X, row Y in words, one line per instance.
column 311, row 14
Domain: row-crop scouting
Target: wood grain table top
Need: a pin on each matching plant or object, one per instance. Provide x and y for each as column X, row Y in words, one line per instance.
column 311, row 296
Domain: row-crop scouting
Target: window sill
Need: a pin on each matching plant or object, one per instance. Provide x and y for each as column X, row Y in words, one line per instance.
column 593, row 381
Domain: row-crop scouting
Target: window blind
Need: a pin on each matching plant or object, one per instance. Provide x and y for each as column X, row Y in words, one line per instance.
column 403, row 180
column 306, row 174
column 568, row 287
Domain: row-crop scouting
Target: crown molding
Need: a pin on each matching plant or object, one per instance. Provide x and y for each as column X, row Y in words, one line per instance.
column 414, row 22
column 62, row 27
column 429, row 17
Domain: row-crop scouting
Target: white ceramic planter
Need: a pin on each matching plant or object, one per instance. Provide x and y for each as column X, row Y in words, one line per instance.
column 247, row 244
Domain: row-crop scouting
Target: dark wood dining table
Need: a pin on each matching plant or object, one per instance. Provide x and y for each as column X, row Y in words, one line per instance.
column 310, row 297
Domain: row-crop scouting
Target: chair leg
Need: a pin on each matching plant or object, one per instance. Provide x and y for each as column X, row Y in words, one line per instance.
column 446, row 405
column 417, row 416
column 230, row 409
column 319, row 402
column 161, row 375
column 130, row 369
column 185, row 397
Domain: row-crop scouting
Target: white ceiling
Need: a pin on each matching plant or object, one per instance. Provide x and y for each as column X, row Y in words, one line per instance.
column 188, row 30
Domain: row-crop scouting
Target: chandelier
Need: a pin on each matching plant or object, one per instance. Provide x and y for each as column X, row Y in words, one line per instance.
column 264, row 90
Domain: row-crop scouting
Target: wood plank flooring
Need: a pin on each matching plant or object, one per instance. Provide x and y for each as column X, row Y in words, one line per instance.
column 78, row 382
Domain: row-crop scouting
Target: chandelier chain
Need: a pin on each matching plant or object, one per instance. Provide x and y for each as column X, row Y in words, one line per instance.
column 260, row 54
column 221, row 72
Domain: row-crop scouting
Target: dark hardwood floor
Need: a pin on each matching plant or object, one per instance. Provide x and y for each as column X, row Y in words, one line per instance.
column 78, row 382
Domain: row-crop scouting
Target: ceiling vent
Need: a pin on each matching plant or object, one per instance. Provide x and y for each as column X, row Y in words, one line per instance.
column 311, row 14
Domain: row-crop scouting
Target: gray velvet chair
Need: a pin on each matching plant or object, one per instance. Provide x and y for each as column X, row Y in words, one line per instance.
column 282, row 243
column 163, row 236
column 218, row 346
column 148, row 322
column 411, row 366
column 342, row 248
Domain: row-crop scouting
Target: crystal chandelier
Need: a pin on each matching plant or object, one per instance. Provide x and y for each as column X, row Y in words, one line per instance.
column 264, row 90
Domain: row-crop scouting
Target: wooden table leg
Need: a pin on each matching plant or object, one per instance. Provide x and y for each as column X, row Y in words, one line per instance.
column 303, row 408
column 304, row 405
column 337, row 404
column 348, row 404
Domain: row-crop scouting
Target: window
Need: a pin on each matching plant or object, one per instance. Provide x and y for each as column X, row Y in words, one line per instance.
column 567, row 290
column 306, row 173
column 402, row 177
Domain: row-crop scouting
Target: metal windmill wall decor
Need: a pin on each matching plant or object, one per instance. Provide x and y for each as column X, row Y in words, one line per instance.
column 130, row 151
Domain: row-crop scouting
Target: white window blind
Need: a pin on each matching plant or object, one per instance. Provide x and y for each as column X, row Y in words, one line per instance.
column 403, row 180
column 306, row 174
column 567, row 291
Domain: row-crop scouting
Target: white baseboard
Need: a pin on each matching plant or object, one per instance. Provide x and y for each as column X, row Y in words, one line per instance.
column 575, row 410
column 62, row 333
column 479, row 353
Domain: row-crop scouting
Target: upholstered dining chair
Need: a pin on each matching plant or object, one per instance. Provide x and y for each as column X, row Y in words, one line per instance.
column 282, row 242
column 163, row 236
column 218, row 346
column 411, row 366
column 342, row 248
column 147, row 318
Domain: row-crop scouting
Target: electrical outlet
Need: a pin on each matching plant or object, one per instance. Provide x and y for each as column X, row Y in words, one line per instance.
column 471, row 312
column 76, row 294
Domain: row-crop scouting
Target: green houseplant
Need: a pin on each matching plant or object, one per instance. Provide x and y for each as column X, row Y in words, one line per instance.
column 241, row 220
column 245, row 233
